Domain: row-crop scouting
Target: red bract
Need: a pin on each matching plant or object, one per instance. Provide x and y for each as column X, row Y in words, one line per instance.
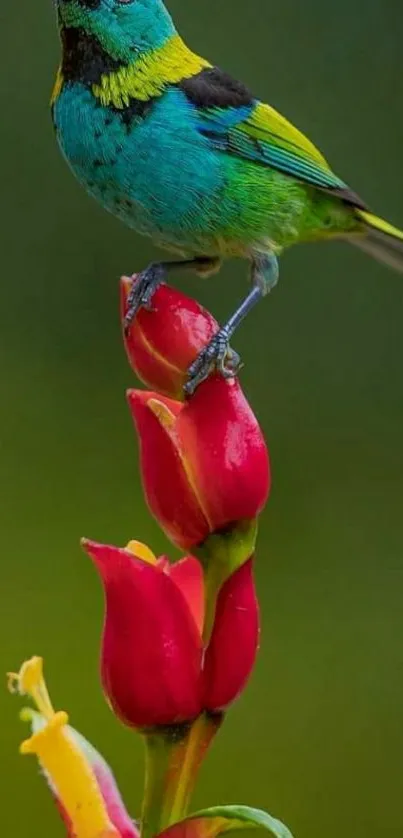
column 234, row 641
column 152, row 663
column 162, row 343
column 151, row 649
column 204, row 464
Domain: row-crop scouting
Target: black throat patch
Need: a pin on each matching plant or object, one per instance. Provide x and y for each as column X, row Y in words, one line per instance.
column 84, row 59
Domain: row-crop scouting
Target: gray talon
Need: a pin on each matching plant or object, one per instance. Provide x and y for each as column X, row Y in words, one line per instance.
column 142, row 291
column 217, row 355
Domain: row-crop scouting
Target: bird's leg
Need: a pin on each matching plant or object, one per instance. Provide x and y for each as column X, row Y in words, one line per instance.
column 146, row 283
column 218, row 355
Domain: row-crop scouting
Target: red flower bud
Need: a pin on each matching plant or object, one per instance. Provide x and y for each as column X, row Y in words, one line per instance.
column 152, row 664
column 151, row 648
column 204, row 464
column 232, row 650
column 162, row 343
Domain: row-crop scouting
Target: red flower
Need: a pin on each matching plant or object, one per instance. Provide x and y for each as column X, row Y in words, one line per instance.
column 205, row 463
column 152, row 649
column 153, row 668
column 162, row 343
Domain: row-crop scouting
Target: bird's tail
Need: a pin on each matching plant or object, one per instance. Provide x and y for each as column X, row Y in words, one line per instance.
column 380, row 240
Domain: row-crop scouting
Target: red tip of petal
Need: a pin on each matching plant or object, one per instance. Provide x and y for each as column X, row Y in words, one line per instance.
column 107, row 559
column 99, row 553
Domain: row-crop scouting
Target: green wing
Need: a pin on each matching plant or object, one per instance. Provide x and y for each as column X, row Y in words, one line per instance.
column 238, row 124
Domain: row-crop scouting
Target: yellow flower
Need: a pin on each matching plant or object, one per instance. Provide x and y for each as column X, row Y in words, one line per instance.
column 70, row 772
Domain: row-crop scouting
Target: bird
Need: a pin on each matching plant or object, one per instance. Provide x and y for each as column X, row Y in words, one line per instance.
column 181, row 151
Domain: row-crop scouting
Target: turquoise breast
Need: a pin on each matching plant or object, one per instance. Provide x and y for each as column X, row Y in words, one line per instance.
column 148, row 165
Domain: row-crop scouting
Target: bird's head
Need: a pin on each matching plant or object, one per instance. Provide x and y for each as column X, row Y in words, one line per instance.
column 122, row 28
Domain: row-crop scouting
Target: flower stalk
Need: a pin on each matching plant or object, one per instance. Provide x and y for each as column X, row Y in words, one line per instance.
column 173, row 759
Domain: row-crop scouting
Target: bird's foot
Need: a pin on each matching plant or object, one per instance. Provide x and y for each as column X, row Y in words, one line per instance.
column 142, row 291
column 216, row 356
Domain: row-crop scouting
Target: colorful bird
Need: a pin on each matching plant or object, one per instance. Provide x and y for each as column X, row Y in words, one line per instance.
column 182, row 152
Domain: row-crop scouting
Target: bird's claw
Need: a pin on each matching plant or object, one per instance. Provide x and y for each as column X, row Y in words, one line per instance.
column 142, row 291
column 217, row 355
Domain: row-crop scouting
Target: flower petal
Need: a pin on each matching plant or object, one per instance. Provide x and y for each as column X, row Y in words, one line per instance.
column 187, row 574
column 225, row 451
column 231, row 653
column 151, row 649
column 170, row 496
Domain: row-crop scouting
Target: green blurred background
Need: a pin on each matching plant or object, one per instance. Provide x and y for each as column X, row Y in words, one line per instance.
column 317, row 738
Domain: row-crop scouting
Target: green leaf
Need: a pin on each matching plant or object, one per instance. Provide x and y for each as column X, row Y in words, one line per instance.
column 209, row 823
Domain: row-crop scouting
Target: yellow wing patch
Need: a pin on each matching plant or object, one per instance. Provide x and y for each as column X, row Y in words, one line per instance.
column 265, row 120
column 147, row 76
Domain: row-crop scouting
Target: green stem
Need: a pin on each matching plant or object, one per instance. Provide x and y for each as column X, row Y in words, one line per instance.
column 214, row 578
column 160, row 750
column 173, row 758
column 200, row 737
